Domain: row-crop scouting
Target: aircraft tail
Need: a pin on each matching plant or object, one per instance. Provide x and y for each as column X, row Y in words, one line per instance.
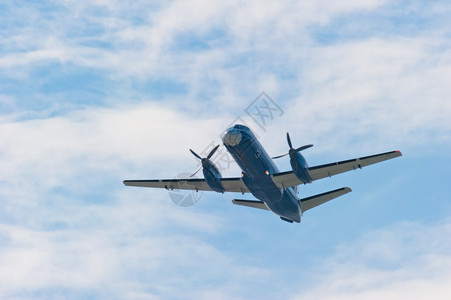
column 313, row 201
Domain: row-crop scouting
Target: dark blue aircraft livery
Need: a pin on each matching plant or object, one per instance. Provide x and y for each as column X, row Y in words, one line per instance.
column 276, row 191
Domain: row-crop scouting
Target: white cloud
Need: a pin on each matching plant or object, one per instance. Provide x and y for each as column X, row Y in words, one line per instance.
column 146, row 48
column 108, row 260
column 406, row 260
column 373, row 93
column 66, row 221
column 400, row 81
column 87, row 149
column 58, row 235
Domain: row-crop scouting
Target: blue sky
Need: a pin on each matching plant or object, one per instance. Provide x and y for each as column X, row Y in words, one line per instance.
column 94, row 92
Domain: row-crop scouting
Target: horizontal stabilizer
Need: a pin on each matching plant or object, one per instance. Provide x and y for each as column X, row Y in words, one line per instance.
column 313, row 201
column 250, row 203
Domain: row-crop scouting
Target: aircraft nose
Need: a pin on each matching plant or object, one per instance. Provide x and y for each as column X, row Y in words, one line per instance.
column 232, row 137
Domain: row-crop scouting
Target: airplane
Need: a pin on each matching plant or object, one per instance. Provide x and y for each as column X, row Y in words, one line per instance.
column 276, row 191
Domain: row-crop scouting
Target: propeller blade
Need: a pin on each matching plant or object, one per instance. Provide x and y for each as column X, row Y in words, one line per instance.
column 303, row 147
column 279, row 156
column 289, row 140
column 196, row 171
column 195, row 154
column 212, row 152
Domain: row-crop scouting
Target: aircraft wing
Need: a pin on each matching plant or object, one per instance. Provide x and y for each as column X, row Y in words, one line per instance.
column 288, row 179
column 234, row 184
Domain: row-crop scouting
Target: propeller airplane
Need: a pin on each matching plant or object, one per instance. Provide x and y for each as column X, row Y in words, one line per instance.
column 276, row 191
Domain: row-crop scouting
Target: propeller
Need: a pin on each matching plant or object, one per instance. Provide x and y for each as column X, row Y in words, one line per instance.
column 203, row 160
column 292, row 150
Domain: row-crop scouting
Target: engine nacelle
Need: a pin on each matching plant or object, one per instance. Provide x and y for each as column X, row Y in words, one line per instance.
column 300, row 167
column 212, row 176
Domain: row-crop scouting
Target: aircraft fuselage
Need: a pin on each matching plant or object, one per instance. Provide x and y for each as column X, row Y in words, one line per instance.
column 257, row 168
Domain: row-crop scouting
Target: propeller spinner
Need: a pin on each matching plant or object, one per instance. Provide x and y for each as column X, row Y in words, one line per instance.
column 292, row 151
column 204, row 160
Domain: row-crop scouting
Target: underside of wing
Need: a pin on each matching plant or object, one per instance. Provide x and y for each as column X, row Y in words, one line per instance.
column 230, row 184
column 288, row 179
column 329, row 170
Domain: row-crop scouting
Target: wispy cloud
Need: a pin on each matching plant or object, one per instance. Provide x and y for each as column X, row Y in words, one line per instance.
column 93, row 93
column 405, row 260
column 392, row 85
